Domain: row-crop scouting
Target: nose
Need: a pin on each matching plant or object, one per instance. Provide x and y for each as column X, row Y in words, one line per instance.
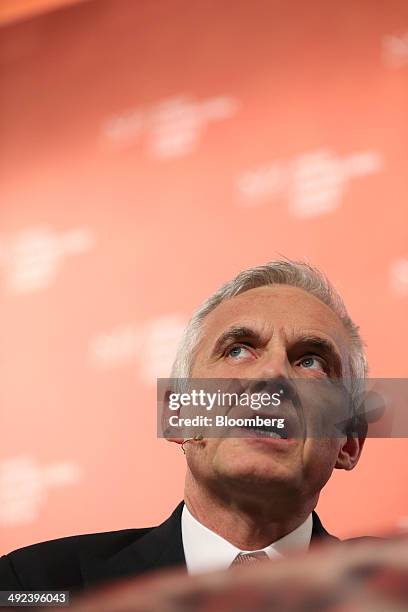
column 274, row 373
column 274, row 364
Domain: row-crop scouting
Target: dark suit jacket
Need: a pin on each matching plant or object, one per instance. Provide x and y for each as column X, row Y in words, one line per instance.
column 78, row 562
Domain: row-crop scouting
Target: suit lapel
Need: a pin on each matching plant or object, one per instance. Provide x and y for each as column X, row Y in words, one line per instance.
column 159, row 548
column 319, row 533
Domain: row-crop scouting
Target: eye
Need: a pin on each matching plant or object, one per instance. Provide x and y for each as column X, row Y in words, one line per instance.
column 237, row 352
column 310, row 362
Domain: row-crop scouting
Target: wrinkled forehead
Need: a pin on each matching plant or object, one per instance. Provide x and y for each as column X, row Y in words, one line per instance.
column 277, row 309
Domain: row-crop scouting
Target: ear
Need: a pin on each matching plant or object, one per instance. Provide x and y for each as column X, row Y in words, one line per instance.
column 166, row 427
column 349, row 452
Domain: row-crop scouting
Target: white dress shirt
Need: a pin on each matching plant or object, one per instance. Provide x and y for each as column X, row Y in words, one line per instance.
column 205, row 550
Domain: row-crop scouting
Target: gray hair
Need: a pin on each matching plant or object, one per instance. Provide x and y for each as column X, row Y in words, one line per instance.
column 281, row 272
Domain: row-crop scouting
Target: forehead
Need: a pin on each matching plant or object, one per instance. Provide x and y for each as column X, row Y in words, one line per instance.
column 278, row 307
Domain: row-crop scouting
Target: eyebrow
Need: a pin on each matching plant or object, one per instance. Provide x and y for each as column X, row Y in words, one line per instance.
column 236, row 334
column 324, row 345
column 243, row 333
column 317, row 341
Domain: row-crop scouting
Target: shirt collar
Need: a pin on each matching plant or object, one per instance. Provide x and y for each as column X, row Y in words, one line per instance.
column 205, row 550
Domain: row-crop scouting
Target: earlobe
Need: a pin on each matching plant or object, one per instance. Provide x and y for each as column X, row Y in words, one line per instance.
column 349, row 453
column 168, row 430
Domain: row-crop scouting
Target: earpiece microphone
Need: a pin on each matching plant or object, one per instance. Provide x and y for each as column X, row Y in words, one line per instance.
column 196, row 438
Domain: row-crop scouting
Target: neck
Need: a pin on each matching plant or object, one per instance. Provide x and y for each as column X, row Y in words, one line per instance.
column 247, row 522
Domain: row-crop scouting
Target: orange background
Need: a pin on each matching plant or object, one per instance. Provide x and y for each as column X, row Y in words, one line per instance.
column 150, row 151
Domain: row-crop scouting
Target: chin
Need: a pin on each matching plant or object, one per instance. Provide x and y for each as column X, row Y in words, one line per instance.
column 255, row 472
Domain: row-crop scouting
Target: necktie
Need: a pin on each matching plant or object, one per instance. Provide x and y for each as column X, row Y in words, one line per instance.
column 254, row 557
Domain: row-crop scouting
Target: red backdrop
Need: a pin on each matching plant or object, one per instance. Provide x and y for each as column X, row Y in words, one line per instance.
column 150, row 151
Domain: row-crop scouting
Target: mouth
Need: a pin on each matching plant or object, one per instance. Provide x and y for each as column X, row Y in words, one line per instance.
column 281, row 427
column 266, row 431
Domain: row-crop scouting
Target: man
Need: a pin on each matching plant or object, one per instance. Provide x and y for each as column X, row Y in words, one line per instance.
column 245, row 498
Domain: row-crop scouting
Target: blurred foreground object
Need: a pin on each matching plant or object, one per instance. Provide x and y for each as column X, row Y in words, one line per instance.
column 364, row 576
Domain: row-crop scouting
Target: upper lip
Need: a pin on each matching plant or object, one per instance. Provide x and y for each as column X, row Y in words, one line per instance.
column 289, row 409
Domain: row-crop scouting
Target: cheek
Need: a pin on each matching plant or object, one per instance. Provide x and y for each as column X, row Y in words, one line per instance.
column 319, row 458
column 201, row 458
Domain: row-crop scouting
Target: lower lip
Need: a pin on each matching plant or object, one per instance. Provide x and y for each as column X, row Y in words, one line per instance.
column 254, row 437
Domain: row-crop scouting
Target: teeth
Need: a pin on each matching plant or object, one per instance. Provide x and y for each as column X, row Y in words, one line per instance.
column 267, row 434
